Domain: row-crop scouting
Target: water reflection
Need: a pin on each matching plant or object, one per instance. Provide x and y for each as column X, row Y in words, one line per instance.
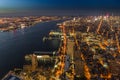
column 16, row 44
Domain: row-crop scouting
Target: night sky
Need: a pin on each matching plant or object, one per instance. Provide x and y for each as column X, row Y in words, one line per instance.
column 39, row 5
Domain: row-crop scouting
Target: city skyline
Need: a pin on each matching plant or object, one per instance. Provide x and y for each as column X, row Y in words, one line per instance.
column 59, row 39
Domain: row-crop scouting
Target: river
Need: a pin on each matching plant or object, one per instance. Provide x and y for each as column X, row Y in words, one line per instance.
column 16, row 44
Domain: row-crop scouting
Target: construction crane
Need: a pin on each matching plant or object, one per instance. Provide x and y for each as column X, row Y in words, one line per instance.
column 99, row 26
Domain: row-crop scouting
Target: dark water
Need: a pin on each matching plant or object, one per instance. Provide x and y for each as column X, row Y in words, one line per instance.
column 15, row 45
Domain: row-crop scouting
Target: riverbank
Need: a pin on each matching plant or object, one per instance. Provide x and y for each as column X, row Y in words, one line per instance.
column 16, row 44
